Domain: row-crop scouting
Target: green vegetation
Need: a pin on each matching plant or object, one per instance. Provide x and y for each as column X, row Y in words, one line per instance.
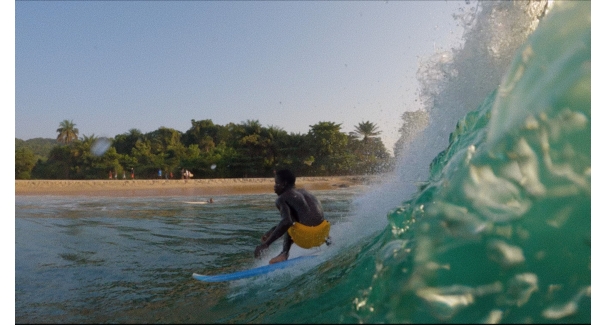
column 39, row 146
column 207, row 150
column 67, row 132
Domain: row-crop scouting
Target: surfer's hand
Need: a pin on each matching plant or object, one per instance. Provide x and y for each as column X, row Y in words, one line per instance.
column 260, row 249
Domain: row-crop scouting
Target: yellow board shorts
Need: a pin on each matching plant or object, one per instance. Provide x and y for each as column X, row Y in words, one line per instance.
column 308, row 237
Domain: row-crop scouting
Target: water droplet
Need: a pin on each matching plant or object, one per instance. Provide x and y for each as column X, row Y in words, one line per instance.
column 100, row 146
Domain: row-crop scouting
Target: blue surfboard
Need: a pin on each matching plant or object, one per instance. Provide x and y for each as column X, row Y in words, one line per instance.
column 251, row 272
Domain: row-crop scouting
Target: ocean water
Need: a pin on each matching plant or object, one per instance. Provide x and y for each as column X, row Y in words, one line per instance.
column 485, row 219
column 86, row 259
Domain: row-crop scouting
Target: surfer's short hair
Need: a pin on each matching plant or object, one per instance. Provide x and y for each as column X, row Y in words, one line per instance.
column 285, row 175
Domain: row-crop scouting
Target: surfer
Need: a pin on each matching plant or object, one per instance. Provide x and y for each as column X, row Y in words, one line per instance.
column 302, row 218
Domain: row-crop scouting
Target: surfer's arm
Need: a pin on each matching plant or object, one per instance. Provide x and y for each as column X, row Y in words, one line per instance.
column 283, row 226
column 267, row 234
column 279, row 230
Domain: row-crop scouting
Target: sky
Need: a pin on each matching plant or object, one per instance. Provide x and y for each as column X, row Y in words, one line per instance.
column 112, row 66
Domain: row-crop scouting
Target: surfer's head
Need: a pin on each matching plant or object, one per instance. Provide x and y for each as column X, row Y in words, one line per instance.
column 284, row 179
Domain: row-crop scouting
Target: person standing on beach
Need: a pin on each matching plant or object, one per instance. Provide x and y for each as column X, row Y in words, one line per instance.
column 302, row 218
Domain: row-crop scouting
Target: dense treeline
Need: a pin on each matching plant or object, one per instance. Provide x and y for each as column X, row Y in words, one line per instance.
column 39, row 146
column 207, row 150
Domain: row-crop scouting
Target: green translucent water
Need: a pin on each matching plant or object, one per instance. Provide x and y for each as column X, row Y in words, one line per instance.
column 502, row 232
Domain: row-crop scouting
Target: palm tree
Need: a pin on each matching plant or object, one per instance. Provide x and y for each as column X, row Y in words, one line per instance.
column 367, row 130
column 252, row 127
column 134, row 134
column 274, row 139
column 67, row 132
column 87, row 142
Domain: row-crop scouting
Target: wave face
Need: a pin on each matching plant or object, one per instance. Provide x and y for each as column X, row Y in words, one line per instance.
column 489, row 212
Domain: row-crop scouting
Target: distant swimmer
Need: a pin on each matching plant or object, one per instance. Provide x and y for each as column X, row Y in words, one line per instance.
column 302, row 218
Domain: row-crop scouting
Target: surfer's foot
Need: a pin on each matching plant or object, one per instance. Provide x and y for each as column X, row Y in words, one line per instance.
column 280, row 258
column 328, row 241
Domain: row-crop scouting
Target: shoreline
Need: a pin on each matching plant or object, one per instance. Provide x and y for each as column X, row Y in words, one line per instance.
column 178, row 187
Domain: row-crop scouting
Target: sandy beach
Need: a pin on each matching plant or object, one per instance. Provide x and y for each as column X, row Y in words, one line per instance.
column 178, row 187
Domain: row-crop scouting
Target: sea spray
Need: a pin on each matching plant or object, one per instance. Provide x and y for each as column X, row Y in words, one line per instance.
column 452, row 83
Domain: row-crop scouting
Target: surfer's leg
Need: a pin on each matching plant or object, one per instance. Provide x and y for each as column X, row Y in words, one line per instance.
column 285, row 249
